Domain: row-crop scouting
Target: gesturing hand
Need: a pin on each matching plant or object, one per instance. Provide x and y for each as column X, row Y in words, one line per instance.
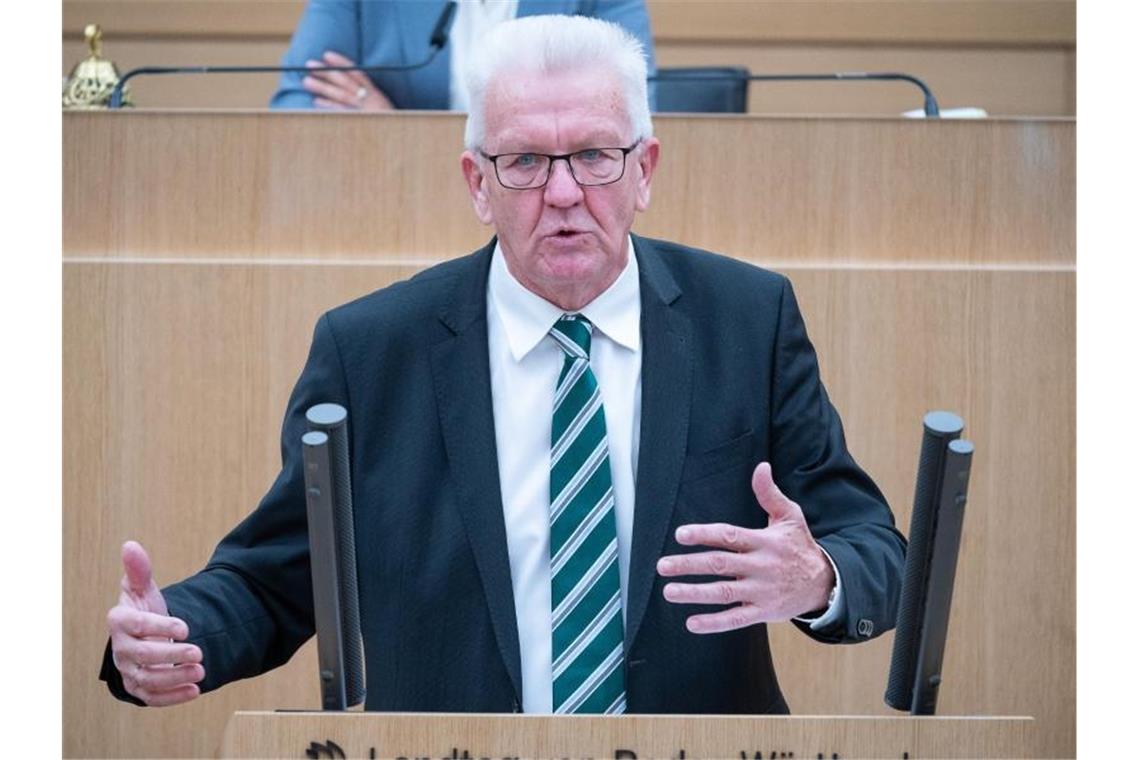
column 776, row 573
column 343, row 89
column 155, row 668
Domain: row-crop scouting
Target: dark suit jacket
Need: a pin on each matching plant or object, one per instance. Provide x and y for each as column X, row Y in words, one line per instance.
column 729, row 378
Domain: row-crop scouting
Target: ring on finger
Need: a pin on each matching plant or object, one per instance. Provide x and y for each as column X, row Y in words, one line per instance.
column 361, row 93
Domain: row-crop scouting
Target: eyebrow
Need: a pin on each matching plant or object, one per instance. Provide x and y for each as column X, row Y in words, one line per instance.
column 601, row 142
column 592, row 140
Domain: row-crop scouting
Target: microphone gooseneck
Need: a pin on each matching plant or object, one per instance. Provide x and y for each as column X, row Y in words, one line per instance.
column 929, row 103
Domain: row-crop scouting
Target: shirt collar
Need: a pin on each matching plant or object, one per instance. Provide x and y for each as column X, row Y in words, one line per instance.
column 527, row 317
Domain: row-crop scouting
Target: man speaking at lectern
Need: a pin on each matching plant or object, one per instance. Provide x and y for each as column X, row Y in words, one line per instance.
column 588, row 466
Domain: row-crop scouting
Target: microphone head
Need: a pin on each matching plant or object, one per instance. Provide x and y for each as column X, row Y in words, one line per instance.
column 443, row 25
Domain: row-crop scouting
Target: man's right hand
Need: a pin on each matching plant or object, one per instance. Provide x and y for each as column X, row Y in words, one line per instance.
column 144, row 638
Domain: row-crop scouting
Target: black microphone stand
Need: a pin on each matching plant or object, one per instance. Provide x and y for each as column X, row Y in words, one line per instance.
column 929, row 104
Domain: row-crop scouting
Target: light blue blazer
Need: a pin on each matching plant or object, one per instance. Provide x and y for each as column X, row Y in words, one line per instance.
column 377, row 32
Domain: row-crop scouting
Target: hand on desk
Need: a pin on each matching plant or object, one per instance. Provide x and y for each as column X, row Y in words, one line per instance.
column 777, row 572
column 155, row 668
column 351, row 90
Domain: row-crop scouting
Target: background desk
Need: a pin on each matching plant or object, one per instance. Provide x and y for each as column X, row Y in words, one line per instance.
column 934, row 262
column 1007, row 56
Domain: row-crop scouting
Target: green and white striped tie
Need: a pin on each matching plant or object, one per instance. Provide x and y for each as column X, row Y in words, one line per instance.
column 585, row 586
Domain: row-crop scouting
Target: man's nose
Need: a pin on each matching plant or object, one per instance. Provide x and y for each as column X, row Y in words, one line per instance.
column 562, row 189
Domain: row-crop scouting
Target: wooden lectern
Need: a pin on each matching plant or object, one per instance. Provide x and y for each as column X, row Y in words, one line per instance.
column 471, row 736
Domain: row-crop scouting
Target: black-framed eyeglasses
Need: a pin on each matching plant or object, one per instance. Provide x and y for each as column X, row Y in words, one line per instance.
column 589, row 167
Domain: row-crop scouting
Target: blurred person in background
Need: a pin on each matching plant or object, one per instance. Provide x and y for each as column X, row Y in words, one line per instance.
column 397, row 32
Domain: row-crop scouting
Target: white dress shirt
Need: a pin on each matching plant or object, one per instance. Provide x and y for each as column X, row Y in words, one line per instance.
column 525, row 363
column 473, row 19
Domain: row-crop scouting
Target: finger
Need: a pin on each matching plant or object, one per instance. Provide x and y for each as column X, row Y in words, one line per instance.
column 329, row 91
column 351, row 89
column 713, row 592
column 142, row 652
column 704, row 563
column 771, row 498
column 329, row 78
column 330, row 104
column 125, row 621
column 137, row 575
column 719, row 535
column 333, row 58
column 728, row 620
column 167, row 698
column 160, row 679
column 342, row 80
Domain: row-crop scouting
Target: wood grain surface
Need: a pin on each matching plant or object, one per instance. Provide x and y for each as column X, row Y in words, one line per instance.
column 184, row 332
column 176, row 376
column 1035, row 22
column 939, row 22
column 388, row 187
column 263, row 734
column 1011, row 57
column 1005, row 81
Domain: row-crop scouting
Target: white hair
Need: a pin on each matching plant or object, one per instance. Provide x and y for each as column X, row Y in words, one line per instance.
column 554, row 44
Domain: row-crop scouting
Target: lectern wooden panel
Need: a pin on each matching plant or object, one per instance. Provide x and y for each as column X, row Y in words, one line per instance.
column 408, row 735
column 184, row 332
column 332, row 187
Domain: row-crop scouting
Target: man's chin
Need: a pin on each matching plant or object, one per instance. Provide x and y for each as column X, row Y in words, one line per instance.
column 571, row 264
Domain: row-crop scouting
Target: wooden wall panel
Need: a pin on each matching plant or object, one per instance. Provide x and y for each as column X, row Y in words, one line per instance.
column 835, row 191
column 974, row 22
column 998, row 348
column 176, row 375
column 1005, row 81
column 931, row 21
column 184, row 90
column 934, row 262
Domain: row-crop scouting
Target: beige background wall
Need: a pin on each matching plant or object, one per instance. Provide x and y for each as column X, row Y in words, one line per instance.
column 934, row 263
column 1011, row 57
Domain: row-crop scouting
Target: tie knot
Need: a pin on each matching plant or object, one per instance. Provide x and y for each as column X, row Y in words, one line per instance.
column 572, row 333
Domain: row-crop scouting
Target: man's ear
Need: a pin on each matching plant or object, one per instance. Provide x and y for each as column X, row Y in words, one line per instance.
column 647, row 157
column 476, row 186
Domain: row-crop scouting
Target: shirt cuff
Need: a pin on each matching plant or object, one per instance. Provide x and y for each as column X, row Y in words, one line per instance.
column 834, row 610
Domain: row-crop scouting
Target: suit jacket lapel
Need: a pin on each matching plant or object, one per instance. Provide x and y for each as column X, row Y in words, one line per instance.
column 666, row 385
column 462, row 377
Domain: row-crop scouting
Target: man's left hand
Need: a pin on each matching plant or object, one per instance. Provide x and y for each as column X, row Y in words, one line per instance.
column 776, row 573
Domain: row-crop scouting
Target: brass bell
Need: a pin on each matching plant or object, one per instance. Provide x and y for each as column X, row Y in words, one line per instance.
column 90, row 83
